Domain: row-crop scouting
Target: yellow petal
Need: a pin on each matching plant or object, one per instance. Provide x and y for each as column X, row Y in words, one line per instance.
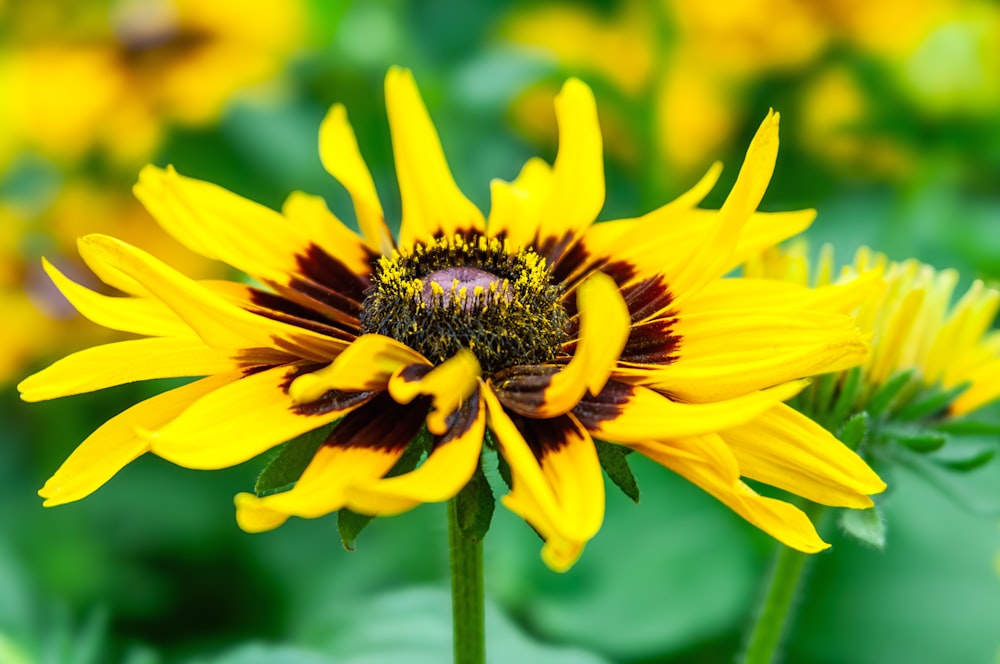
column 361, row 449
column 624, row 414
column 707, row 463
column 557, row 487
column 219, row 323
column 338, row 149
column 243, row 419
column 433, row 205
column 366, row 364
column 577, row 193
column 125, row 362
column 450, row 383
column 448, row 468
column 766, row 229
column 141, row 315
column 786, row 449
column 115, row 444
column 516, row 207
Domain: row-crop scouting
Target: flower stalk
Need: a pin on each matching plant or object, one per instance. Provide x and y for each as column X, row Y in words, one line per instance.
column 468, row 618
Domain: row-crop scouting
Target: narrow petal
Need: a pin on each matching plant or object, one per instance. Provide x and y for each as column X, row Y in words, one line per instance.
column 557, row 483
column 219, row 323
column 448, row 468
column 707, row 463
column 433, row 205
column 115, row 443
column 516, row 207
column 140, row 315
column 125, row 362
column 243, row 419
column 604, row 329
column 786, row 449
column 766, row 229
column 338, row 149
column 448, row 384
column 362, row 448
column 772, row 294
column 577, row 193
column 633, row 414
column 366, row 364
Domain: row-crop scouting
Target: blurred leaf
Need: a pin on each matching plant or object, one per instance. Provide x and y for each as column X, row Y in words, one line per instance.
column 969, row 428
column 866, row 526
column 968, row 463
column 614, row 460
column 256, row 653
column 855, row 430
column 293, row 457
column 887, row 392
column 929, row 402
column 919, row 440
column 846, row 398
column 349, row 525
column 475, row 504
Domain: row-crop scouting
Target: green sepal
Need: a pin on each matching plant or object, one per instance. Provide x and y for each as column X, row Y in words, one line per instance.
column 930, row 402
column 504, row 469
column 923, row 442
column 286, row 467
column 850, row 389
column 475, row 504
column 855, row 430
column 969, row 463
column 969, row 428
column 615, row 464
column 888, row 392
column 866, row 526
column 350, row 523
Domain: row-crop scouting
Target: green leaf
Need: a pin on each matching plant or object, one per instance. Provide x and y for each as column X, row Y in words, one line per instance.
column 923, row 442
column 846, row 398
column 855, row 430
column 475, row 504
column 613, row 460
column 866, row 526
column 931, row 402
column 349, row 525
column 969, row 463
column 969, row 428
column 888, row 392
column 286, row 468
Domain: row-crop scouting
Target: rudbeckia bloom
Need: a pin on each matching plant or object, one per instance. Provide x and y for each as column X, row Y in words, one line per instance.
column 533, row 323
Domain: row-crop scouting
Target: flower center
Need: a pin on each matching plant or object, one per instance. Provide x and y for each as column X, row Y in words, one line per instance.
column 474, row 293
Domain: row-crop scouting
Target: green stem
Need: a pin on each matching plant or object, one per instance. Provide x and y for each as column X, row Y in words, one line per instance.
column 776, row 610
column 468, row 626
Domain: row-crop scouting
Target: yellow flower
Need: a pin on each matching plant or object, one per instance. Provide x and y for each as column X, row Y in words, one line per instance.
column 533, row 323
column 914, row 326
column 135, row 66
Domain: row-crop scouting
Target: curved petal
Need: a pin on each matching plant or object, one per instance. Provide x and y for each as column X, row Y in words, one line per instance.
column 141, row 315
column 366, row 364
column 362, row 448
column 604, row 329
column 706, row 462
column 633, row 414
column 448, row 468
column 219, row 323
column 786, row 449
column 516, row 208
column 772, row 294
column 577, row 193
column 557, row 483
column 115, row 443
column 243, row 419
column 449, row 384
column 125, row 362
column 341, row 157
column 433, row 205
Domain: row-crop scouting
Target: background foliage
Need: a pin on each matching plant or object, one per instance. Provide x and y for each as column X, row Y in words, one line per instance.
column 895, row 141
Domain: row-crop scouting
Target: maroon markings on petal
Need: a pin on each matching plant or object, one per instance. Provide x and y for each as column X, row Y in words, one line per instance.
column 381, row 424
column 545, row 436
column 323, row 269
column 647, row 297
column 331, row 400
column 281, row 309
column 574, row 260
column 652, row 342
column 522, row 389
column 414, row 372
column 324, row 300
column 554, row 248
column 607, row 404
column 460, row 421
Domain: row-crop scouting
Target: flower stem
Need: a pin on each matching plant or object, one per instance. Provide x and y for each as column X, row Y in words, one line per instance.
column 468, row 623
column 776, row 610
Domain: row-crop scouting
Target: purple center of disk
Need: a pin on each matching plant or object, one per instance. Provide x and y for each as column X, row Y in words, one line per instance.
column 468, row 278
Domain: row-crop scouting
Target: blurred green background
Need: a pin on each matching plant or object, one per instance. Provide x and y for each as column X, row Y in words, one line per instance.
column 890, row 128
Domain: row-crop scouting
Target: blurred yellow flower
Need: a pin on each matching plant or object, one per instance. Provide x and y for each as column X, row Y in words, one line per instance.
column 114, row 75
